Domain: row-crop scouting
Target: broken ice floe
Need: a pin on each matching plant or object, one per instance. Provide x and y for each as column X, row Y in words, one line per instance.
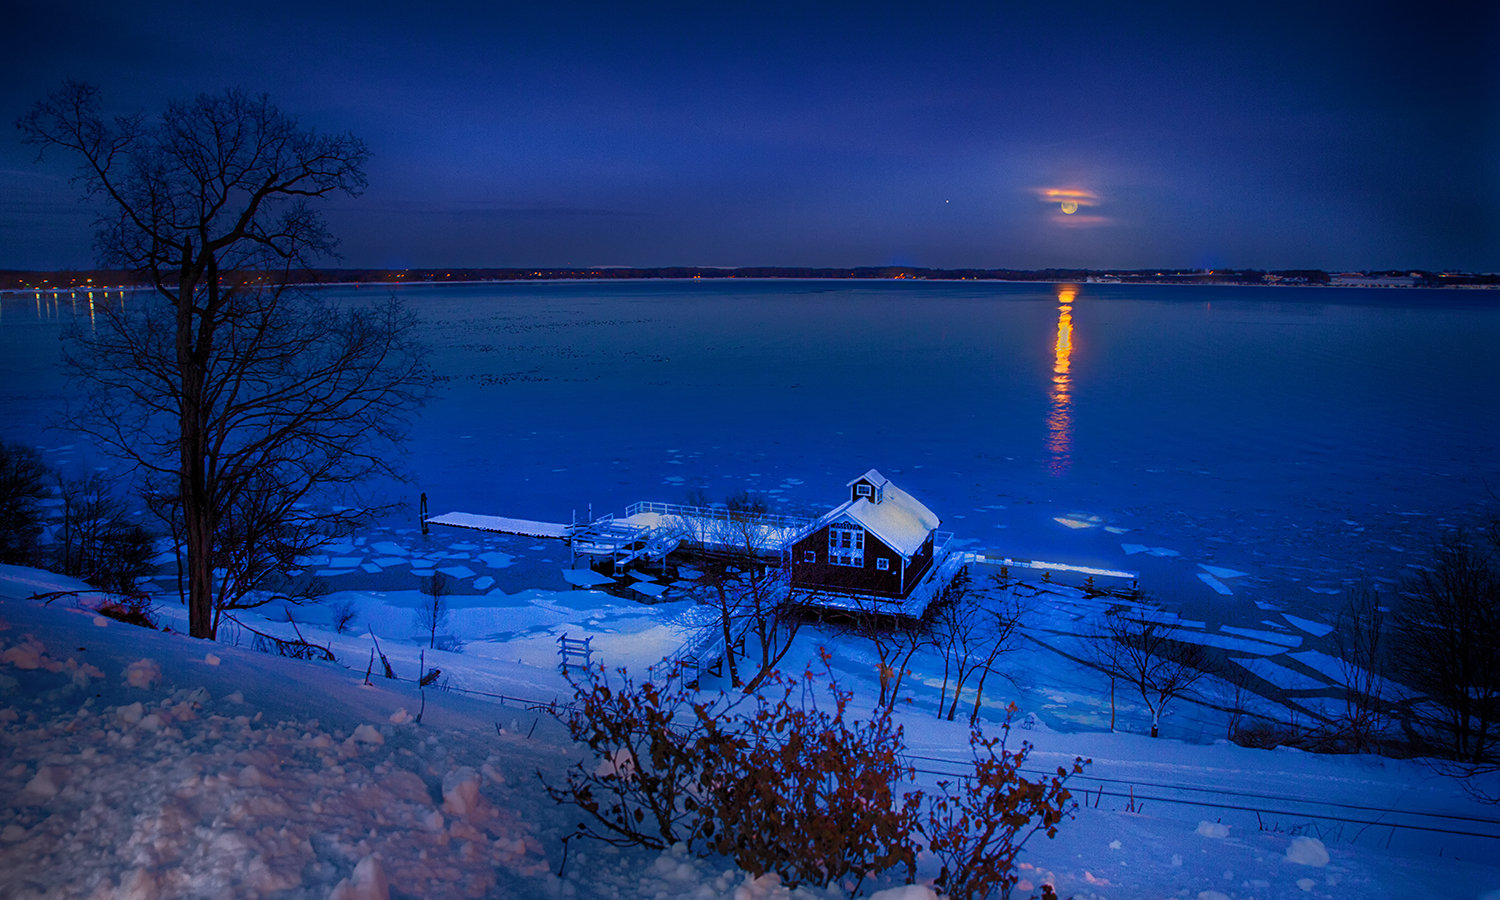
column 1270, row 637
column 1316, row 629
column 1281, row 676
column 585, row 577
column 1218, row 586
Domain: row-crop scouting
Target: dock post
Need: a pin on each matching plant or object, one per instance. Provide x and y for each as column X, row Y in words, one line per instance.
column 422, row 512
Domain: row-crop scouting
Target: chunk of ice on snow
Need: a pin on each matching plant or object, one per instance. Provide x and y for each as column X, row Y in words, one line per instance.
column 1213, row 829
column 1307, row 851
column 366, row 734
column 143, row 673
column 904, row 892
column 367, row 883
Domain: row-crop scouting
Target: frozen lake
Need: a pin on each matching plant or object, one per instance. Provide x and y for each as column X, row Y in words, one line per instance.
column 1291, row 439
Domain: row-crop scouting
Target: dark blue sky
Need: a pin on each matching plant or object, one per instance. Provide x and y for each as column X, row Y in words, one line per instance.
column 1328, row 135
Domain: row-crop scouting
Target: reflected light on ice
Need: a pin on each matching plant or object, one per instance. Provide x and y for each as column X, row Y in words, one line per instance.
column 1060, row 419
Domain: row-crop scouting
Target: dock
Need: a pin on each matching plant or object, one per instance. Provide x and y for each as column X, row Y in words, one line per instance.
column 500, row 525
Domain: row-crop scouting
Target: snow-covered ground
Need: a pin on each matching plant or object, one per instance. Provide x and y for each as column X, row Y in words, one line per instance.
column 141, row 764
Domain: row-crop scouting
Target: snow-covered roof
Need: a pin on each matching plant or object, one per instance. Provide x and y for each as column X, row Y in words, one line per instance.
column 899, row 519
column 873, row 477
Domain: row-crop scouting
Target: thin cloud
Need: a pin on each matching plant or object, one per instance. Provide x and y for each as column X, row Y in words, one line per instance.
column 1069, row 201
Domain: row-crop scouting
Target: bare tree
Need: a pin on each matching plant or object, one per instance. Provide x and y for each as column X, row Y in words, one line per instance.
column 233, row 393
column 1147, row 656
column 95, row 539
column 1360, row 635
column 973, row 626
column 23, row 485
column 752, row 598
column 434, row 611
column 1446, row 644
column 895, row 639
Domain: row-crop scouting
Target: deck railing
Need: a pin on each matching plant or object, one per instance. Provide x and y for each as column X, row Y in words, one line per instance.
column 718, row 513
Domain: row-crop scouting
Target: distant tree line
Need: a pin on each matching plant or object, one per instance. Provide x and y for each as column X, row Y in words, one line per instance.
column 27, row 280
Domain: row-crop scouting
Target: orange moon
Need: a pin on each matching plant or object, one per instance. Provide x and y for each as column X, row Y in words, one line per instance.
column 1070, row 206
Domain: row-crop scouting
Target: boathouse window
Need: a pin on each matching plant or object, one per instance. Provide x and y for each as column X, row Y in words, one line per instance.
column 883, row 564
column 846, row 545
column 809, row 556
column 863, row 490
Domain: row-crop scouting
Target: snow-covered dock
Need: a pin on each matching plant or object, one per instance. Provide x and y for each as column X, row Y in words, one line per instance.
column 500, row 525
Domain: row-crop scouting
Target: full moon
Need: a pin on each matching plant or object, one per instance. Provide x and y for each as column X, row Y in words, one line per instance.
column 1070, row 206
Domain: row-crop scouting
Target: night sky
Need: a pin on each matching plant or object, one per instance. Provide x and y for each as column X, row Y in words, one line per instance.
column 1320, row 135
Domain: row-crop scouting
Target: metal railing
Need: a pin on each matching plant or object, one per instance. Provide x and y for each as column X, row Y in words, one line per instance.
column 718, row 513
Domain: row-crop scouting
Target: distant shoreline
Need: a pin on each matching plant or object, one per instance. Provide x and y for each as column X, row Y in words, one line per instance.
column 58, row 282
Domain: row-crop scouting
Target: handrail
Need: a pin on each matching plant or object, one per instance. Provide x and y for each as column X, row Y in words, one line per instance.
column 707, row 512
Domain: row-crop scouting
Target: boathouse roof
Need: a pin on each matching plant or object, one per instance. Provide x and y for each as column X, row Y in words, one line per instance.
column 896, row 517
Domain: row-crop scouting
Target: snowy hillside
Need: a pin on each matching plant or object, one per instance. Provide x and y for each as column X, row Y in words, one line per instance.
column 140, row 764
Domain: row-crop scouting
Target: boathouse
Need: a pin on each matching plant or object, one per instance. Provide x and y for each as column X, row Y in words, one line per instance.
column 880, row 542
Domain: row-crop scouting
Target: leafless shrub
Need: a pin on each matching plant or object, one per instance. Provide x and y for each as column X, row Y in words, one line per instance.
column 1446, row 644
column 977, row 826
column 343, row 615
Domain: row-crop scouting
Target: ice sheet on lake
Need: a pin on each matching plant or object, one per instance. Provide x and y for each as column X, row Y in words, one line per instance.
column 345, row 562
column 1166, row 618
column 329, row 573
column 1281, row 676
column 388, row 548
column 390, row 561
column 649, row 589
column 372, row 568
column 1220, row 572
column 1072, row 522
column 1227, row 643
column 457, row 571
column 483, row 582
column 1341, row 673
column 495, row 559
column 1270, row 637
column 1218, row 586
column 1316, row 629
column 585, row 577
column 1133, row 549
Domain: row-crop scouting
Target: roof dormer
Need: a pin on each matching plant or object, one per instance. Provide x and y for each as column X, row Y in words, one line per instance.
column 869, row 486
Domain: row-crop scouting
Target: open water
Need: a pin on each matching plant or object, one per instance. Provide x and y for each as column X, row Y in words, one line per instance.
column 1302, row 437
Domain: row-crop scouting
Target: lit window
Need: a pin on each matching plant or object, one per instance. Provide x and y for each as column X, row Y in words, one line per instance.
column 809, row 556
column 883, row 564
column 863, row 490
column 846, row 545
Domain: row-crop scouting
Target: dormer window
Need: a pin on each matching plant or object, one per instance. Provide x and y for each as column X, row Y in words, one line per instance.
column 863, row 490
